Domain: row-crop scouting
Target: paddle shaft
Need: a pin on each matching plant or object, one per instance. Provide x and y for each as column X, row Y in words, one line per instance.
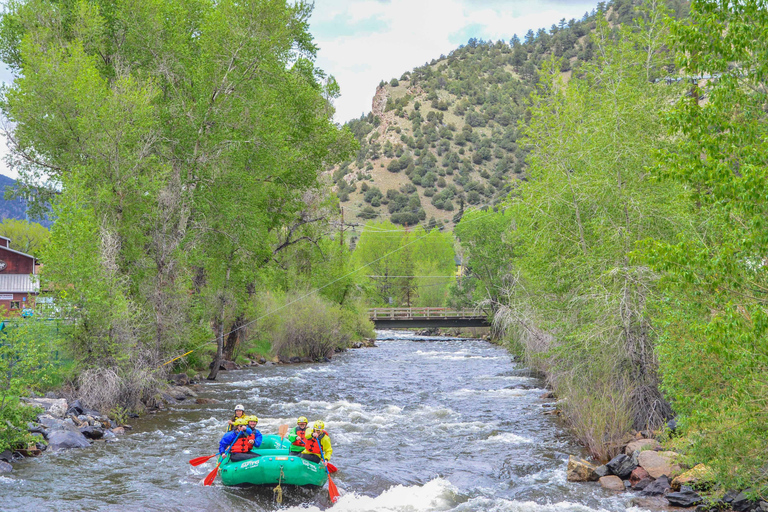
column 332, row 491
column 212, row 475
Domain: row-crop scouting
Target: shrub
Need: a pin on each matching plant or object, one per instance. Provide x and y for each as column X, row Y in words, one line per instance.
column 311, row 326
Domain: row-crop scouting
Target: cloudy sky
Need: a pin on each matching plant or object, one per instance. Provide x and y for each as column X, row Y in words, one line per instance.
column 365, row 41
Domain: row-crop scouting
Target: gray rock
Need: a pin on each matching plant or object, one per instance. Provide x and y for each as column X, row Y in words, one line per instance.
column 51, row 423
column 56, row 407
column 34, row 428
column 602, row 471
column 621, row 466
column 65, row 439
column 763, row 506
column 612, row 483
column 92, row 432
column 743, row 504
column 5, row 467
column 6, row 456
column 659, row 487
column 642, row 484
column 75, row 408
column 685, row 497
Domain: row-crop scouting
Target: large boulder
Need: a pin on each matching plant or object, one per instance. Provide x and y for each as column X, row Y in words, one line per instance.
column 612, row 482
column 5, row 467
column 650, row 502
column 6, row 455
column 699, row 474
column 685, row 497
column 579, row 470
column 66, row 439
column 640, row 445
column 658, row 487
column 659, row 463
column 56, row 407
column 621, row 466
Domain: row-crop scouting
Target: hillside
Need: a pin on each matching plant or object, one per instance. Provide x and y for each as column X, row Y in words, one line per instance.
column 445, row 135
column 14, row 208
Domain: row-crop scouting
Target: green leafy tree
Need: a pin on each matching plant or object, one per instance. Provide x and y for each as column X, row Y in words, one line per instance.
column 578, row 307
column 181, row 158
column 714, row 352
column 27, row 237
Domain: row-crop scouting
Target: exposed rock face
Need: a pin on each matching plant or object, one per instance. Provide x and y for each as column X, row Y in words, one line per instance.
column 66, row 439
column 684, row 498
column 621, row 466
column 612, row 482
column 659, row 463
column 579, row 470
column 698, row 474
column 641, row 445
column 56, row 407
column 658, row 487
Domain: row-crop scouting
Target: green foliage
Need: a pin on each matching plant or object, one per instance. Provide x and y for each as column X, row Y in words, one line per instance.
column 29, row 362
column 308, row 325
column 714, row 349
column 177, row 163
column 392, row 256
column 562, row 279
column 27, row 237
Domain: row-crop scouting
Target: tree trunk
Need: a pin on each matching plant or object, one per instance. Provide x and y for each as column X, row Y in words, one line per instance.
column 233, row 339
column 219, row 348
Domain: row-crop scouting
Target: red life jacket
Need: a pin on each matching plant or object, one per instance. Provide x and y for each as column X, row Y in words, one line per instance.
column 313, row 443
column 299, row 437
column 243, row 444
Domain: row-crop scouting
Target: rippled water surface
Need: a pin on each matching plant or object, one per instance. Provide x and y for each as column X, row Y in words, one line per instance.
column 417, row 424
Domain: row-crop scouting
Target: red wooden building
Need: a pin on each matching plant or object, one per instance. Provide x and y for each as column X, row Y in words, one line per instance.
column 18, row 283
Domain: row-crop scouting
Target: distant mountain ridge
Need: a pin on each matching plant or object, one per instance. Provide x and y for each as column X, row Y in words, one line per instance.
column 15, row 208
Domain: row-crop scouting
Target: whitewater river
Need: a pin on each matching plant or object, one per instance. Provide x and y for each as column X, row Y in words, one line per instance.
column 417, row 424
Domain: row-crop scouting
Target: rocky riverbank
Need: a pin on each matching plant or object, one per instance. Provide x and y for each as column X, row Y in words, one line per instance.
column 658, row 480
column 65, row 424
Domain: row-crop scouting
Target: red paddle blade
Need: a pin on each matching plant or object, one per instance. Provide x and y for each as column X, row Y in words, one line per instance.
column 212, row 475
column 331, row 468
column 332, row 491
column 200, row 460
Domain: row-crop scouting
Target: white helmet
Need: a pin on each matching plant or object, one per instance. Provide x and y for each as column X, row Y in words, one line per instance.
column 239, row 407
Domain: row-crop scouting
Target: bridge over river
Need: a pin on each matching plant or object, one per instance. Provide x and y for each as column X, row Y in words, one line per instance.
column 388, row 318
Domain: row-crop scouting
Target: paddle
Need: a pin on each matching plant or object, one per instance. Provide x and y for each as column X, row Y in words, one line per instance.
column 331, row 467
column 212, row 475
column 281, row 432
column 201, row 460
column 332, row 491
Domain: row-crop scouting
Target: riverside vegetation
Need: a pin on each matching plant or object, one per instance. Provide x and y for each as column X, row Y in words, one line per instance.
column 630, row 266
column 624, row 259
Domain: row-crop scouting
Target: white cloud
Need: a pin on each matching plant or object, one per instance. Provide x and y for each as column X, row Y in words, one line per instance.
column 364, row 42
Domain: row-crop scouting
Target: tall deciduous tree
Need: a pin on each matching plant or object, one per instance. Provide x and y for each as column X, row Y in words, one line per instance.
column 714, row 352
column 581, row 300
column 183, row 136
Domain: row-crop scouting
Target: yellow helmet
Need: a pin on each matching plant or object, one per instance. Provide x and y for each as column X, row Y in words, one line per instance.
column 252, row 417
column 302, row 419
column 319, row 425
column 241, row 421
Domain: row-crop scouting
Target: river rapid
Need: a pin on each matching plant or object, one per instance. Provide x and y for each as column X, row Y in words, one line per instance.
column 417, row 424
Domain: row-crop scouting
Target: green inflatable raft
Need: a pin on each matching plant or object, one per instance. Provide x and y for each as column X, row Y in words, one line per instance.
column 275, row 466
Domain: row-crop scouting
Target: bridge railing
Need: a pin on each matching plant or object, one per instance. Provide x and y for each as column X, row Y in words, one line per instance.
column 421, row 313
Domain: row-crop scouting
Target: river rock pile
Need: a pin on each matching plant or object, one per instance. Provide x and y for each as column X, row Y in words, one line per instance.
column 63, row 425
column 660, row 481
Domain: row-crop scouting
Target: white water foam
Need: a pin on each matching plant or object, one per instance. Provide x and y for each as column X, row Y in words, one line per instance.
column 507, row 438
column 434, row 495
column 503, row 505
